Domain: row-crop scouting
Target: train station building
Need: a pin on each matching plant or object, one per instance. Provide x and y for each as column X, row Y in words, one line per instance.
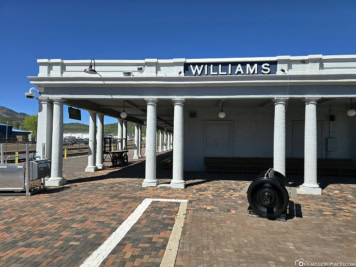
column 280, row 108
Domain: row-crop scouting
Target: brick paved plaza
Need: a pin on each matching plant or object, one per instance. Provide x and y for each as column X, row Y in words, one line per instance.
column 63, row 226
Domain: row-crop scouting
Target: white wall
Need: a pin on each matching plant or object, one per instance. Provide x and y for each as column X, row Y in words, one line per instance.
column 77, row 135
column 253, row 131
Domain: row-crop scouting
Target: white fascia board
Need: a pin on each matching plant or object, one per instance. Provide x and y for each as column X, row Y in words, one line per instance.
column 207, row 97
column 260, row 80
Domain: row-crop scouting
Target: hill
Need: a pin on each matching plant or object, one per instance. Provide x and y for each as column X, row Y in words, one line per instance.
column 9, row 113
column 16, row 119
column 75, row 128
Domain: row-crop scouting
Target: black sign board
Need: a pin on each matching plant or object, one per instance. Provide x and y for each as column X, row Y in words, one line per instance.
column 230, row 68
column 74, row 114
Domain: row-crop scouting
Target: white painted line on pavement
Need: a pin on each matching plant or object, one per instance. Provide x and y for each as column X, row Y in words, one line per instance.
column 100, row 254
column 170, row 254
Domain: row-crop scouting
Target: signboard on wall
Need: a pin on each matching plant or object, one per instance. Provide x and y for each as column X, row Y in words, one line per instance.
column 74, row 114
column 230, row 68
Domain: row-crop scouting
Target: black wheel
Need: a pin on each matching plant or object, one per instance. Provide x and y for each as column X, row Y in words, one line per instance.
column 114, row 161
column 126, row 159
column 268, row 197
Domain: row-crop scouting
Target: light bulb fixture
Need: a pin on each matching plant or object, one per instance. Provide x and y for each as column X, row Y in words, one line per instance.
column 351, row 112
column 91, row 69
column 123, row 114
column 222, row 114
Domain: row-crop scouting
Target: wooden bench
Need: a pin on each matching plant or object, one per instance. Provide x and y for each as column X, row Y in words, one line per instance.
column 294, row 166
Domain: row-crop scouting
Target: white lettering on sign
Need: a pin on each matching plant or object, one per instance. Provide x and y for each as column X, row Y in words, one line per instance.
column 195, row 69
column 266, row 68
column 239, row 69
column 220, row 71
column 212, row 70
column 252, row 70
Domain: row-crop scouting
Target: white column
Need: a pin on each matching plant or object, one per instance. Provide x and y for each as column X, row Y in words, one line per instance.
column 137, row 142
column 178, row 145
column 160, row 143
column 310, row 185
column 165, row 141
column 279, row 136
column 119, row 134
column 44, row 128
column 124, row 135
column 56, row 178
column 150, row 171
column 91, row 153
column 49, row 130
column 99, row 142
column 170, row 141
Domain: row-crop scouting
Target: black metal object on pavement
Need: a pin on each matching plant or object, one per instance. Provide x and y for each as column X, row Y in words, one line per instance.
column 268, row 196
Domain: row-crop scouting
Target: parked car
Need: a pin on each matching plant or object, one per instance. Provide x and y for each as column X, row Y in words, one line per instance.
column 68, row 142
column 81, row 141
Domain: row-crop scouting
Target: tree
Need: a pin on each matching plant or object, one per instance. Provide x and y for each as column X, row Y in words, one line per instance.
column 30, row 124
column 16, row 125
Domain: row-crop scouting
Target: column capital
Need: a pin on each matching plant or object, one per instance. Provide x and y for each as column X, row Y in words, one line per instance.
column 43, row 99
column 58, row 101
column 280, row 100
column 178, row 101
column 151, row 101
column 311, row 100
column 91, row 112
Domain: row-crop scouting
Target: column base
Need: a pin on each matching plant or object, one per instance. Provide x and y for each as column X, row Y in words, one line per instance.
column 56, row 181
column 149, row 183
column 306, row 189
column 100, row 166
column 91, row 169
column 179, row 185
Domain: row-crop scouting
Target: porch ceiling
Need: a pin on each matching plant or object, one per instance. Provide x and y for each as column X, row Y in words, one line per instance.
column 136, row 108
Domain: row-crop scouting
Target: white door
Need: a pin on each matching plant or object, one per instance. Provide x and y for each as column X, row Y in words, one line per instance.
column 218, row 138
column 298, row 139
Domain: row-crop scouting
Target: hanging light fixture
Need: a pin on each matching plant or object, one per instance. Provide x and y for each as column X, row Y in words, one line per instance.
column 351, row 112
column 123, row 114
column 222, row 114
column 91, row 69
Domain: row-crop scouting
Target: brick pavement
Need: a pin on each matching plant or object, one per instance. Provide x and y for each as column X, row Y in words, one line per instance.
column 62, row 227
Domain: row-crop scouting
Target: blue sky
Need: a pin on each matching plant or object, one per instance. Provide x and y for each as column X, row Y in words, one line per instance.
column 115, row 29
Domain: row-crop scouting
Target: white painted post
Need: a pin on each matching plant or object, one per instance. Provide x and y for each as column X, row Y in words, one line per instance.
column 150, row 172
column 56, row 178
column 91, row 152
column 160, row 143
column 310, row 185
column 178, row 145
column 41, row 129
column 279, row 136
column 49, row 130
column 137, row 142
column 124, row 135
column 119, row 134
column 165, row 148
column 44, row 127
column 2, row 153
column 99, row 142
